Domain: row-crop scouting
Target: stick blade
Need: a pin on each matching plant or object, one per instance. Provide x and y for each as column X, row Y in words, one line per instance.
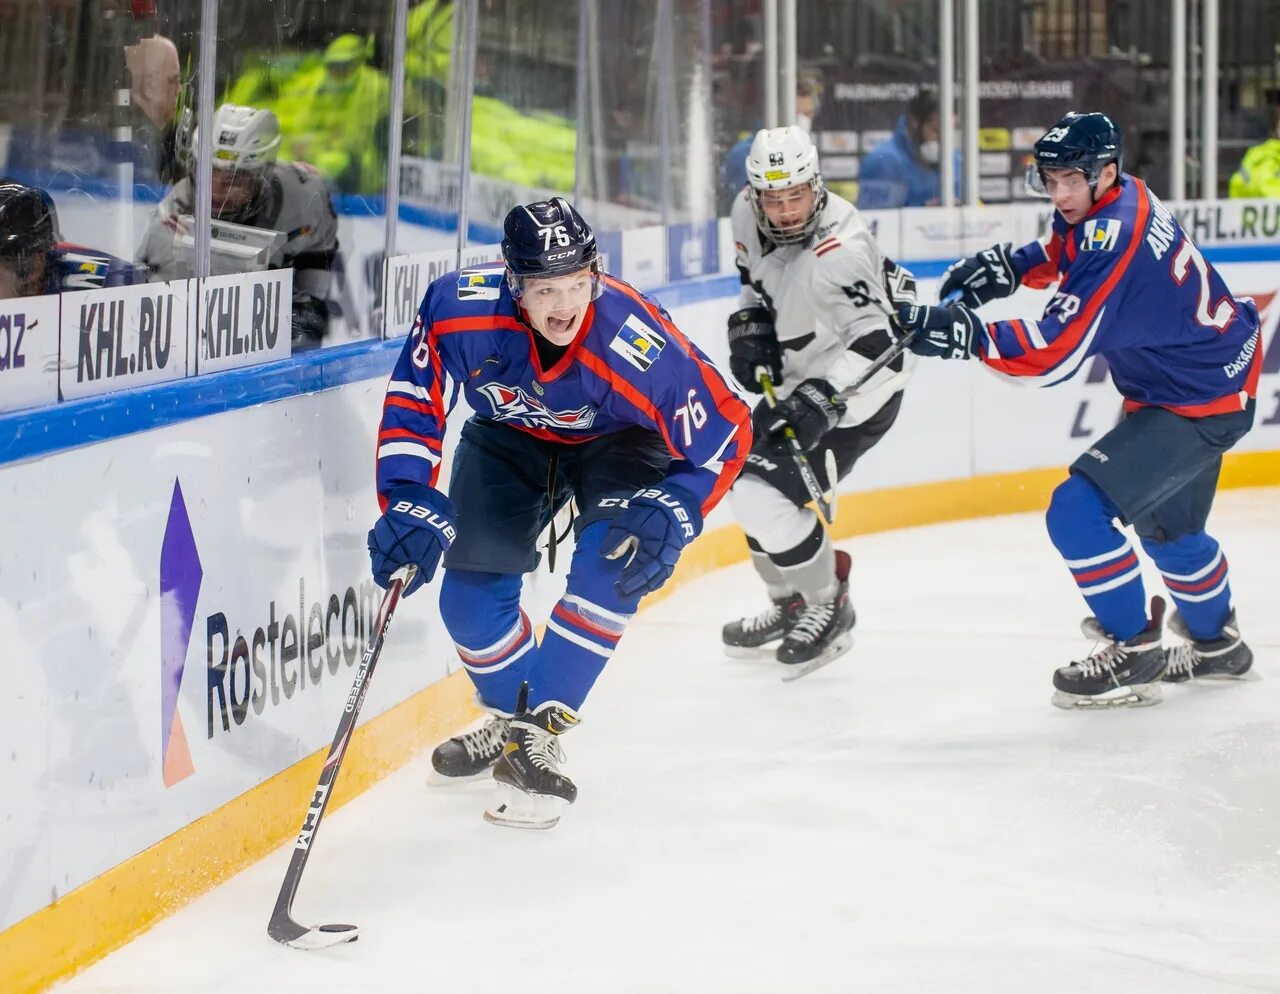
column 288, row 932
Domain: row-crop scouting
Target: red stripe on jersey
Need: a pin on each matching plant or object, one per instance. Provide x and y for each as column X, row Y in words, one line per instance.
column 829, row 248
column 1111, row 569
column 418, row 406
column 629, row 393
column 1214, row 578
column 548, row 435
column 1020, row 332
column 585, row 624
column 450, row 326
column 1042, row 360
column 1040, row 276
column 390, row 433
column 1223, row 405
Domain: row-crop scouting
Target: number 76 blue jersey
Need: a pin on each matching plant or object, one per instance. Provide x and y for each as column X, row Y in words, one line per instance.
column 1133, row 288
column 628, row 365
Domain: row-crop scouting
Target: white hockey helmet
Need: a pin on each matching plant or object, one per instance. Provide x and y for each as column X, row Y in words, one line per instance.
column 244, row 138
column 779, row 159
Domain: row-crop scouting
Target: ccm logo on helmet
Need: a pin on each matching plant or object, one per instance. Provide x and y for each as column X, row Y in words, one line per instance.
column 426, row 514
column 557, row 256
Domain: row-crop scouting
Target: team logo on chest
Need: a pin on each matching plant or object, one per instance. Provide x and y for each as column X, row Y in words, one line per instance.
column 513, row 404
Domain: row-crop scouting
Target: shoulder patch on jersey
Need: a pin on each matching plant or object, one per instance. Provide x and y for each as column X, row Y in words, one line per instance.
column 480, row 284
column 639, row 344
column 1100, row 235
column 826, row 245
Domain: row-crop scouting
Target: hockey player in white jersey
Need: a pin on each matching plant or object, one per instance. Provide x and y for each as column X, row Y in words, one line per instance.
column 811, row 317
column 251, row 188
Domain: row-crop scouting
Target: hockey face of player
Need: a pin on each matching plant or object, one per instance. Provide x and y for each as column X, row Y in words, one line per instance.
column 789, row 209
column 556, row 305
column 1071, row 192
column 245, row 142
column 234, row 190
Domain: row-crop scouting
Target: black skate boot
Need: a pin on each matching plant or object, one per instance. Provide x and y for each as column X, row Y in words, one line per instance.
column 532, row 791
column 823, row 631
column 471, row 755
column 747, row 637
column 1223, row 658
column 1117, row 674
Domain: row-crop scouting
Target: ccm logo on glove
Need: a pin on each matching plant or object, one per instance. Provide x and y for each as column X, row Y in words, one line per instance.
column 441, row 524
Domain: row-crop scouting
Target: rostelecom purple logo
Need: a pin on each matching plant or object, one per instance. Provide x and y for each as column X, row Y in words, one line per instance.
column 180, row 576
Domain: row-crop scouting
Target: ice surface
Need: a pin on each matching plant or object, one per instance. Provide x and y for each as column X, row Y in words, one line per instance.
column 915, row 817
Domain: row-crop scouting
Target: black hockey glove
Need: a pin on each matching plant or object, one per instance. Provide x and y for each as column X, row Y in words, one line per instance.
column 753, row 343
column 811, row 411
column 942, row 332
column 981, row 278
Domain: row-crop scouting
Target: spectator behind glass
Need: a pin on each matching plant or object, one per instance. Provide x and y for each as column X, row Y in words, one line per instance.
column 733, row 173
column 156, row 83
column 334, row 116
column 33, row 258
column 903, row 171
column 1259, row 172
column 251, row 188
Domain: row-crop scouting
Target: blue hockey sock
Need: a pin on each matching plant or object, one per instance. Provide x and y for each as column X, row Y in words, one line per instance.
column 1195, row 573
column 1101, row 558
column 490, row 631
column 584, row 628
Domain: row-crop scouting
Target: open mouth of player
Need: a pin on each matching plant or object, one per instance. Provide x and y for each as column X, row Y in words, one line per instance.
column 558, row 325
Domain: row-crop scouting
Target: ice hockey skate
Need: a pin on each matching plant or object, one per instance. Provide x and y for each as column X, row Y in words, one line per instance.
column 1117, row 674
column 1225, row 658
column 823, row 631
column 471, row 755
column 753, row 636
column 532, row 792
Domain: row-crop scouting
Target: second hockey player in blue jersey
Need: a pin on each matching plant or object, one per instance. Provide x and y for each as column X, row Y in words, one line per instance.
column 1186, row 356
column 582, row 388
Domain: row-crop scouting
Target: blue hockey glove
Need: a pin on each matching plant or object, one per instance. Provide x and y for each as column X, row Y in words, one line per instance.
column 652, row 532
column 945, row 332
column 416, row 527
column 811, row 410
column 979, row 279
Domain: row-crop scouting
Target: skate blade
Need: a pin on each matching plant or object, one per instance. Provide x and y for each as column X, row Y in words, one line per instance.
column 513, row 808
column 794, row 671
column 1140, row 695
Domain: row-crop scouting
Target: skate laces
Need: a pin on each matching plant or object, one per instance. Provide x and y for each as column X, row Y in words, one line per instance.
column 811, row 623
column 544, row 749
column 765, row 619
column 487, row 739
column 1182, row 658
column 1104, row 657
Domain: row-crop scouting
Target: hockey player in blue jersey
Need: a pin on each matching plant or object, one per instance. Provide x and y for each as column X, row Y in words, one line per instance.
column 582, row 388
column 33, row 258
column 1184, row 353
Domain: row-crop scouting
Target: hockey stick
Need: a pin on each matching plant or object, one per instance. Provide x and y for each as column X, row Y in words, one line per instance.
column 282, row 927
column 823, row 498
column 893, row 351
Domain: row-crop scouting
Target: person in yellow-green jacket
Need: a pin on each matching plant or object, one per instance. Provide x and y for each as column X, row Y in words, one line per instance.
column 1259, row 172
column 335, row 117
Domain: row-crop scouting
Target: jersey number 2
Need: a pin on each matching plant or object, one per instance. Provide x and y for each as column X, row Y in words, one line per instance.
column 1188, row 255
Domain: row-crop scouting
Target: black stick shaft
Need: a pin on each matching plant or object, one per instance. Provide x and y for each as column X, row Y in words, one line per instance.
column 807, row 475
column 281, row 924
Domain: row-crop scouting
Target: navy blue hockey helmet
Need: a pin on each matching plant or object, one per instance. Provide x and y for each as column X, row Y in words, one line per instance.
column 1086, row 142
column 28, row 220
column 548, row 238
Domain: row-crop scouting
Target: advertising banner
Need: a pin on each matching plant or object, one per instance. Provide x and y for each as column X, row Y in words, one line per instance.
column 121, row 337
column 243, row 320
column 28, row 352
column 408, row 277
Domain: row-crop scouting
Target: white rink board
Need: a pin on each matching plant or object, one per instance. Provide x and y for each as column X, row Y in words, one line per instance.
column 279, row 498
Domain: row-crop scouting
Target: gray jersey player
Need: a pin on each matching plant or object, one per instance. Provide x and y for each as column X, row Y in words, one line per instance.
column 251, row 188
column 812, row 317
